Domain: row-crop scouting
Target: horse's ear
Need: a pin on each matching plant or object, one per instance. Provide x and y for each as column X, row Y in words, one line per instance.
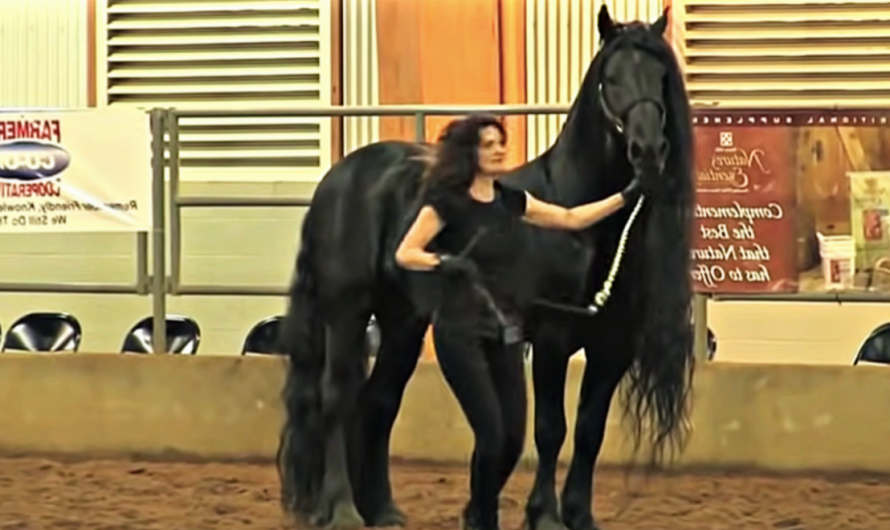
column 659, row 26
column 605, row 24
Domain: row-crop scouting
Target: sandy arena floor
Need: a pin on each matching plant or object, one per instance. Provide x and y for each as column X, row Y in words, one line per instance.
column 38, row 494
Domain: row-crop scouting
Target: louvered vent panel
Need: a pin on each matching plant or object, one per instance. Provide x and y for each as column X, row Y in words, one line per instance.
column 791, row 53
column 228, row 54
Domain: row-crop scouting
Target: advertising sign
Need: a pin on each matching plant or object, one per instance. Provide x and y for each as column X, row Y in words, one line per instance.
column 792, row 201
column 75, row 171
column 744, row 234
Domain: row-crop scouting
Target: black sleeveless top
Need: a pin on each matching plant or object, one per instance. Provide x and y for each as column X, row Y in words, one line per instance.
column 495, row 232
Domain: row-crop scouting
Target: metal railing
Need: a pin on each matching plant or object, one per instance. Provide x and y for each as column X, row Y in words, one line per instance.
column 157, row 284
column 178, row 202
column 419, row 112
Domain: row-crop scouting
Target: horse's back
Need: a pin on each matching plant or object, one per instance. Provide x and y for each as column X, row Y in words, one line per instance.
column 352, row 212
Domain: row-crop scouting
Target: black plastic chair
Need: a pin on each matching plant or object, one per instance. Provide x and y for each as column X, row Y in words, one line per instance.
column 44, row 332
column 183, row 336
column 876, row 347
column 262, row 339
column 712, row 345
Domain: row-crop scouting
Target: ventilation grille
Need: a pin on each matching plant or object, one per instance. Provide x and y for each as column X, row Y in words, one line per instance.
column 792, row 53
column 247, row 54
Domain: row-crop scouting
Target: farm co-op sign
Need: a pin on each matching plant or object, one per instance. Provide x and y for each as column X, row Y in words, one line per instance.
column 79, row 171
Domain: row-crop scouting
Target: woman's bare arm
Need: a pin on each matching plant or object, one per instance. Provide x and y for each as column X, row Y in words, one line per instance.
column 412, row 253
column 548, row 215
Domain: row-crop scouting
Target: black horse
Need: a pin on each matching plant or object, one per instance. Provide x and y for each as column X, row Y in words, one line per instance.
column 631, row 116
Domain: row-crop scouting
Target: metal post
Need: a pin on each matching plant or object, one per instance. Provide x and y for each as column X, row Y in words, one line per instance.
column 420, row 126
column 159, row 260
column 700, row 328
column 175, row 210
column 143, row 279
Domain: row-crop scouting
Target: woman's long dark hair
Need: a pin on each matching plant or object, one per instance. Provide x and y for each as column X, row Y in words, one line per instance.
column 456, row 160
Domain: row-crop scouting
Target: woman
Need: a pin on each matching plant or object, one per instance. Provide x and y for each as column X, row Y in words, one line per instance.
column 475, row 331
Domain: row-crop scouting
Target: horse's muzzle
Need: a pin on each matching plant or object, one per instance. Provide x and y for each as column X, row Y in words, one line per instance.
column 648, row 157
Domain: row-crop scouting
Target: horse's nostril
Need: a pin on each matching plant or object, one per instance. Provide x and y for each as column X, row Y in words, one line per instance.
column 663, row 149
column 635, row 150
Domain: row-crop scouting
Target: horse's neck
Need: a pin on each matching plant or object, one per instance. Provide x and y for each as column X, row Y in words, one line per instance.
column 582, row 163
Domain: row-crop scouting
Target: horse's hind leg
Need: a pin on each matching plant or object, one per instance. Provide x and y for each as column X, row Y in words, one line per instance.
column 401, row 341
column 605, row 366
column 549, row 365
column 343, row 377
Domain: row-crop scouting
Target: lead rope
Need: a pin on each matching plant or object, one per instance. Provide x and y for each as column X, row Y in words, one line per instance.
column 600, row 298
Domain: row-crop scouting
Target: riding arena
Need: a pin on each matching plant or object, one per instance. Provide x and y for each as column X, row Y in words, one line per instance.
column 323, row 406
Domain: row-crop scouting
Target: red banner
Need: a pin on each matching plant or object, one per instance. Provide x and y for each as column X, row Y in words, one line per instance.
column 792, row 200
column 744, row 237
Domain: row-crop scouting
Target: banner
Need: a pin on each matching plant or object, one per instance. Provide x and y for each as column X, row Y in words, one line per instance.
column 744, row 235
column 792, row 201
column 75, row 171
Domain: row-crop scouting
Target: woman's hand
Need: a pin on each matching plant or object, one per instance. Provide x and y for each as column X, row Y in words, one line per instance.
column 632, row 192
column 457, row 266
column 641, row 185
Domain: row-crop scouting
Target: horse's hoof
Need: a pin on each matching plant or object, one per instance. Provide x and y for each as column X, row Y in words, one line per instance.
column 345, row 516
column 584, row 523
column 389, row 516
column 545, row 522
column 317, row 520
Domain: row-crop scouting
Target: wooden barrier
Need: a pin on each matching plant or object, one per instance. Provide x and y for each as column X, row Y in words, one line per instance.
column 223, row 407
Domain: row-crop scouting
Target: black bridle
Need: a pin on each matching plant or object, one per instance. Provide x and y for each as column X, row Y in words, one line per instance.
column 618, row 119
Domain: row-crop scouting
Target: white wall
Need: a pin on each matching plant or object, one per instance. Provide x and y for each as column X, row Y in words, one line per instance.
column 44, row 63
column 43, row 53
column 561, row 40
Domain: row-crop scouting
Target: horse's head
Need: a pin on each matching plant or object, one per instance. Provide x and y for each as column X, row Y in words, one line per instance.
column 631, row 88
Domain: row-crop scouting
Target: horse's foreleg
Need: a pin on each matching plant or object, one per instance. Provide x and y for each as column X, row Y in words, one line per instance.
column 597, row 387
column 549, row 365
column 343, row 377
column 381, row 398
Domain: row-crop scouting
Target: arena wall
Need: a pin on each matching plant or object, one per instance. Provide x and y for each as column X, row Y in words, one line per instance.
column 213, row 407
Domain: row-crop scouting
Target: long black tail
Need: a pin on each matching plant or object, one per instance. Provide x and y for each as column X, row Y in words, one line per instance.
column 301, row 445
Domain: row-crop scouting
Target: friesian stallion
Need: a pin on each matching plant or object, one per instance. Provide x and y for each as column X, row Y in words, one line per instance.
column 630, row 116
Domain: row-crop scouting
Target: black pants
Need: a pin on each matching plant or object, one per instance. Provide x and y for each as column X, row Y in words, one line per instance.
column 488, row 380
